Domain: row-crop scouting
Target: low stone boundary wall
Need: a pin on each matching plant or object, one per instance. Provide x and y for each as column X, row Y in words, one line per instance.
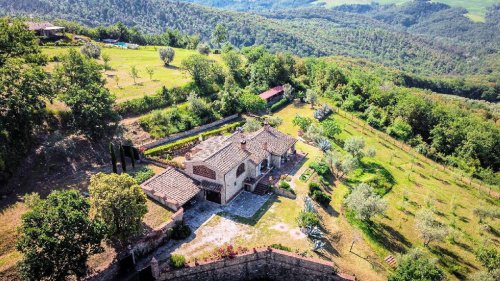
column 141, row 248
column 270, row 264
column 189, row 133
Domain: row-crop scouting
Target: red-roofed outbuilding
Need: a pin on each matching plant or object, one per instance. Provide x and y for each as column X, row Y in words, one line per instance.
column 272, row 95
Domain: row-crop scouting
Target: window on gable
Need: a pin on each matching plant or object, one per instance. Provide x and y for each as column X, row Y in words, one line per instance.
column 240, row 170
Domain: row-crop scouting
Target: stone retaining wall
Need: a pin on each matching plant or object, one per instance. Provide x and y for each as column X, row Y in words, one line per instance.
column 260, row 264
column 157, row 236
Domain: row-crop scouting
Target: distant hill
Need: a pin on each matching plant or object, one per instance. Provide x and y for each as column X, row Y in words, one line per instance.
column 305, row 32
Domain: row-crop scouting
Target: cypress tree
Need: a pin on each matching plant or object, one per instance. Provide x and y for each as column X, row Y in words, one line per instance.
column 132, row 156
column 113, row 157
column 122, row 158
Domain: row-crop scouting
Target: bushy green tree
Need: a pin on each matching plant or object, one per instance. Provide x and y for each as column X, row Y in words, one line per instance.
column 312, row 97
column 233, row 61
column 24, row 90
column 252, row 103
column 118, row 201
column 219, row 35
column 201, row 70
column 302, row 122
column 252, row 125
column 400, row 129
column 330, row 128
column 416, row 266
column 57, row 236
column 81, row 87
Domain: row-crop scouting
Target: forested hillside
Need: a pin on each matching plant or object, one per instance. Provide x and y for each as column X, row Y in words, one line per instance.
column 305, row 32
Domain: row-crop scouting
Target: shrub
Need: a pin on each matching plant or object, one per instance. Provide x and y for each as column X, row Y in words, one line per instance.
column 320, row 167
column 142, row 174
column 321, row 197
column 177, row 261
column 91, row 50
column 313, row 187
column 180, row 231
column 284, row 185
column 281, row 247
column 307, row 219
column 203, row 49
column 323, row 112
column 275, row 107
column 324, row 144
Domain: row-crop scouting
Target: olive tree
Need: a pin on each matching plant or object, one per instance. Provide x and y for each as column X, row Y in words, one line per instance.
column 91, row 50
column 428, row 228
column 365, row 203
column 167, row 55
column 355, row 146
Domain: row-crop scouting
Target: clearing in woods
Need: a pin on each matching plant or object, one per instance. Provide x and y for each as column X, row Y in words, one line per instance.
column 122, row 61
column 476, row 8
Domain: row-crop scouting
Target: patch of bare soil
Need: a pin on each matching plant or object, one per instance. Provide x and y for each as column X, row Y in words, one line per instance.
column 57, row 162
column 134, row 132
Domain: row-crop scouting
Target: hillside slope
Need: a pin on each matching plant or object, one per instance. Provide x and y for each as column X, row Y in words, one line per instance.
column 305, row 32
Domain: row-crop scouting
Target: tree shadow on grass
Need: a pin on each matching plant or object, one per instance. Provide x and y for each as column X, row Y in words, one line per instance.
column 382, row 234
column 452, row 261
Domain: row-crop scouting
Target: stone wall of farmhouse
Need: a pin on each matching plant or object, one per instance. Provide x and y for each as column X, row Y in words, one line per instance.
column 276, row 161
column 234, row 184
column 262, row 264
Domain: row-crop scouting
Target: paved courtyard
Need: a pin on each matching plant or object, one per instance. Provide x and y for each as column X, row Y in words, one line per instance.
column 246, row 204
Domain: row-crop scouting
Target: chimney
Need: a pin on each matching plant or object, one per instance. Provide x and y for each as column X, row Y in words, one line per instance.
column 244, row 144
column 188, row 156
column 264, row 146
column 266, row 125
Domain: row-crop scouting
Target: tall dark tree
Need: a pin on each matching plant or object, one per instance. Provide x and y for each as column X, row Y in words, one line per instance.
column 113, row 157
column 123, row 159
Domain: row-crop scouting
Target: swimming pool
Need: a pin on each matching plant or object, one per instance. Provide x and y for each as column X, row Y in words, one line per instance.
column 121, row 45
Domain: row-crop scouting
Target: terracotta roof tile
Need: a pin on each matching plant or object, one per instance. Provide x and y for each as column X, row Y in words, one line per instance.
column 172, row 185
column 271, row 92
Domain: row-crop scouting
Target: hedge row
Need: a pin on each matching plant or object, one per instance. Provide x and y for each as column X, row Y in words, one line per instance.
column 279, row 104
column 162, row 98
column 169, row 147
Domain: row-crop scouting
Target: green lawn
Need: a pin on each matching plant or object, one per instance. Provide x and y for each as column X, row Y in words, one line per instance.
column 422, row 182
column 476, row 8
column 123, row 59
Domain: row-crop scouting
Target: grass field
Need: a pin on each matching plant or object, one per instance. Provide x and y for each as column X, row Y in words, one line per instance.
column 423, row 184
column 122, row 61
column 476, row 8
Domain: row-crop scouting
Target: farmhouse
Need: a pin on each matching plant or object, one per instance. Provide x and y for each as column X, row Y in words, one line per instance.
column 219, row 168
column 46, row 29
column 272, row 95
